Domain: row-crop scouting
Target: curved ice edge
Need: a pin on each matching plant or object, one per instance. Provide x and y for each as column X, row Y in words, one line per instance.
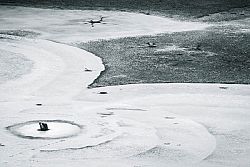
column 53, row 62
column 78, row 148
column 12, row 129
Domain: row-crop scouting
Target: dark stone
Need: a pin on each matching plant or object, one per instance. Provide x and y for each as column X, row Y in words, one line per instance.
column 106, row 114
column 39, row 104
column 169, row 117
column 87, row 70
column 167, row 143
column 103, row 93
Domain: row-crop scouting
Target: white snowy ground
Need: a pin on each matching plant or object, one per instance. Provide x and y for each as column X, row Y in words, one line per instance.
column 154, row 125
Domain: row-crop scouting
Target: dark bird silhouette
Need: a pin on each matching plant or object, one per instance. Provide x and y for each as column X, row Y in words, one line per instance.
column 92, row 22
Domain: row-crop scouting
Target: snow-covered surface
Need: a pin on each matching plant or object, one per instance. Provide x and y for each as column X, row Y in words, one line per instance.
column 132, row 125
column 71, row 23
column 13, row 65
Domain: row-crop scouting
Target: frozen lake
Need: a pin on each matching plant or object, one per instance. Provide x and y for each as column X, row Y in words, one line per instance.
column 129, row 125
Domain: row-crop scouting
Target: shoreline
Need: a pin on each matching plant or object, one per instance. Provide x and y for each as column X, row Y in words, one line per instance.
column 51, row 58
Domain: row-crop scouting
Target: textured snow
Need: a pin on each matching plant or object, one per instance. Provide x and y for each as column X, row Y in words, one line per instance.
column 132, row 125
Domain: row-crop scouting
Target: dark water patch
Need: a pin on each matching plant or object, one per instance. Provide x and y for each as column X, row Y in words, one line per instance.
column 220, row 58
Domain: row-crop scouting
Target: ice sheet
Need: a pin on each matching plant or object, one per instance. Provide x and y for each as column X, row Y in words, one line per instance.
column 131, row 125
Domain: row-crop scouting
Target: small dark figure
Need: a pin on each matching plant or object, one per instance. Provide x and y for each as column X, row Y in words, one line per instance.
column 198, row 47
column 151, row 44
column 92, row 22
column 87, row 70
column 43, row 126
